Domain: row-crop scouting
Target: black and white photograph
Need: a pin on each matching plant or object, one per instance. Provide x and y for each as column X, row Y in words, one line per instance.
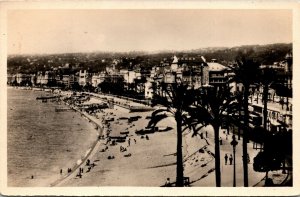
column 149, row 97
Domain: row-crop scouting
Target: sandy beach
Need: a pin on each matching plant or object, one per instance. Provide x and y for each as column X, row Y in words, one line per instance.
column 145, row 162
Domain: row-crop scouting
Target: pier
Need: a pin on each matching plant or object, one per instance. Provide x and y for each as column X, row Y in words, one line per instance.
column 62, row 109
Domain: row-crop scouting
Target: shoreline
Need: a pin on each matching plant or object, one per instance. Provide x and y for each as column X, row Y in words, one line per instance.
column 51, row 177
column 88, row 152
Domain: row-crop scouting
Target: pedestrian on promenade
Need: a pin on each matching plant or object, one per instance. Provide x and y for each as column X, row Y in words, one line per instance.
column 226, row 158
column 248, row 158
column 230, row 159
column 221, row 141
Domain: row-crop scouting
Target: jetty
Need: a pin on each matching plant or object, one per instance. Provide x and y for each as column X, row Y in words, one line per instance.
column 46, row 97
column 62, row 109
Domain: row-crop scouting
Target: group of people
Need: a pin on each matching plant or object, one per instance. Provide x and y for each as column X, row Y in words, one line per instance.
column 230, row 159
column 69, row 170
column 206, row 135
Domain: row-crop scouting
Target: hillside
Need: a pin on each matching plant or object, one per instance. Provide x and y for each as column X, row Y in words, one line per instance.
column 97, row 61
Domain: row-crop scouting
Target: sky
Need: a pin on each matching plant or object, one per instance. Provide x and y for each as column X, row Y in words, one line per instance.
column 67, row 31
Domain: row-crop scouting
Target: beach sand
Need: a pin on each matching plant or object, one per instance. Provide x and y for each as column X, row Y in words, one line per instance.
column 150, row 162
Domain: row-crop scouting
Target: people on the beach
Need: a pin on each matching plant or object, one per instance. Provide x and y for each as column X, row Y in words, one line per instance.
column 221, row 141
column 147, row 138
column 206, row 134
column 226, row 158
column 89, row 169
column 122, row 149
column 134, row 141
column 61, row 171
column 87, row 162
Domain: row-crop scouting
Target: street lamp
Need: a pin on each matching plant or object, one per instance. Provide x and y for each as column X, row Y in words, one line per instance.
column 234, row 143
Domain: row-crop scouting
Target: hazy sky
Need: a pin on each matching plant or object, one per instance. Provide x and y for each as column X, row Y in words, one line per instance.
column 59, row 31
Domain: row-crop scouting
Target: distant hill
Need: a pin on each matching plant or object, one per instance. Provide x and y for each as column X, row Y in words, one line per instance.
column 97, row 61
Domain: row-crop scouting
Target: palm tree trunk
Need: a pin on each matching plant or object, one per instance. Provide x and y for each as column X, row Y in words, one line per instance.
column 265, row 98
column 217, row 155
column 239, row 125
column 179, row 169
column 245, row 135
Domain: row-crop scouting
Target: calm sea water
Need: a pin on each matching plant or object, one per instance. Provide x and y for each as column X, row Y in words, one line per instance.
column 41, row 141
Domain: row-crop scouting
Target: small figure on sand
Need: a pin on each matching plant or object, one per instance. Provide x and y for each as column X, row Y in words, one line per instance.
column 87, row 162
column 230, row 159
column 168, row 184
column 31, row 176
column 79, row 175
column 129, row 142
column 147, row 138
column 201, row 135
column 122, row 149
column 89, row 169
column 61, row 171
column 206, row 134
column 221, row 141
column 134, row 141
column 226, row 158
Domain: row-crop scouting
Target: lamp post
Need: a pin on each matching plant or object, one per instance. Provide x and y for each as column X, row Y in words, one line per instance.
column 234, row 143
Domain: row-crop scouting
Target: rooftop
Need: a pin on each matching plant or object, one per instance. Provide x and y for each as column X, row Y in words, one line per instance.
column 214, row 66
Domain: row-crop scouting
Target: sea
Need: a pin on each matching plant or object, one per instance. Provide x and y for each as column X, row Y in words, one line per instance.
column 40, row 141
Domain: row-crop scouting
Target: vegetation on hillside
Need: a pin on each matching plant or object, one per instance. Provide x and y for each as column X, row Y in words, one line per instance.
column 97, row 61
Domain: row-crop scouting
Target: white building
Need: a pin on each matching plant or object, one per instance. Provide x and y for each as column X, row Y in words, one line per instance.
column 82, row 77
column 97, row 79
column 148, row 89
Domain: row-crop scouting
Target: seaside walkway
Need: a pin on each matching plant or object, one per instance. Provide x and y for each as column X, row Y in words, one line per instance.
column 255, row 178
column 131, row 105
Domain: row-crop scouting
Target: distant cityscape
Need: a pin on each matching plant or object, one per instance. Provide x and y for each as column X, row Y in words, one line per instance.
column 142, row 84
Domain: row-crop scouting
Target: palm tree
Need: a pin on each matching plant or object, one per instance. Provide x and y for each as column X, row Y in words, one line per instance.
column 268, row 76
column 177, row 101
column 246, row 72
column 213, row 107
